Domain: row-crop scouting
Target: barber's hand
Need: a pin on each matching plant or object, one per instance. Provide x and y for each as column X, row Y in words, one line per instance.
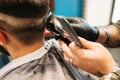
column 82, row 28
column 93, row 57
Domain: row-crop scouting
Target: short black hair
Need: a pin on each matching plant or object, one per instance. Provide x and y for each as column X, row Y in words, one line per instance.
column 24, row 8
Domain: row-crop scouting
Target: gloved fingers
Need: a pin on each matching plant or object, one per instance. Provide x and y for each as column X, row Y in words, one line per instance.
column 75, row 20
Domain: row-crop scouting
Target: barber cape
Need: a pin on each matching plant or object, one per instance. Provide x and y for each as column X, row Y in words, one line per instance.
column 46, row 63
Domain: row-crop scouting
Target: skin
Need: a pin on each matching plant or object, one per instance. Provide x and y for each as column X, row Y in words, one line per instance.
column 93, row 57
column 15, row 48
column 114, row 38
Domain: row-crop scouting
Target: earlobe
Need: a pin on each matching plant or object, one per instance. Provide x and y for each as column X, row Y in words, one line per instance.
column 2, row 39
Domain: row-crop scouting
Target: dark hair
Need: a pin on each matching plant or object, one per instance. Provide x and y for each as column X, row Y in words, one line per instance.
column 24, row 8
column 27, row 32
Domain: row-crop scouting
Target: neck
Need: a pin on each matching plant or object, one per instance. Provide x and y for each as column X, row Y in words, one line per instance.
column 21, row 50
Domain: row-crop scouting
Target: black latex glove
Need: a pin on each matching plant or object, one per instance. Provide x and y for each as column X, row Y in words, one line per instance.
column 83, row 29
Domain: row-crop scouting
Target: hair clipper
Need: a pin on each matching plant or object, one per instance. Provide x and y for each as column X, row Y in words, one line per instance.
column 59, row 26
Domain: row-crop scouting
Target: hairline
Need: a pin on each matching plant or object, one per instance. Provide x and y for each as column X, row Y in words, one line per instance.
column 16, row 21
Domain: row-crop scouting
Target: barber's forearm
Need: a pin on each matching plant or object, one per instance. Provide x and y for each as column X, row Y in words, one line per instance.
column 109, row 36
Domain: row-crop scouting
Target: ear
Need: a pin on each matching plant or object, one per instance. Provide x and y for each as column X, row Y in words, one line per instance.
column 2, row 39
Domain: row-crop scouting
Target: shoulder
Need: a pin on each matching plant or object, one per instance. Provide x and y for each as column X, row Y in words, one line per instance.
column 54, row 42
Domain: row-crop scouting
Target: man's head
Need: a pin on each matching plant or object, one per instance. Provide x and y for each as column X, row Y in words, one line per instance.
column 23, row 19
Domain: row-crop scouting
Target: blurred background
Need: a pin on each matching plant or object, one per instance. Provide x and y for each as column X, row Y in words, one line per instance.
column 95, row 12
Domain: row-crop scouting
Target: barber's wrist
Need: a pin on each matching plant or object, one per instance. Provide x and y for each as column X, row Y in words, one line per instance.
column 113, row 75
column 102, row 35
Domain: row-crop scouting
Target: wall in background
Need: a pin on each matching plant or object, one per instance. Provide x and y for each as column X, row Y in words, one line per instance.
column 68, row 7
column 1, row 62
column 98, row 12
column 116, row 11
column 4, row 60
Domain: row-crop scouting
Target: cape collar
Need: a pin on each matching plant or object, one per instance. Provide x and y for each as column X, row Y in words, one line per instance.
column 25, row 59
